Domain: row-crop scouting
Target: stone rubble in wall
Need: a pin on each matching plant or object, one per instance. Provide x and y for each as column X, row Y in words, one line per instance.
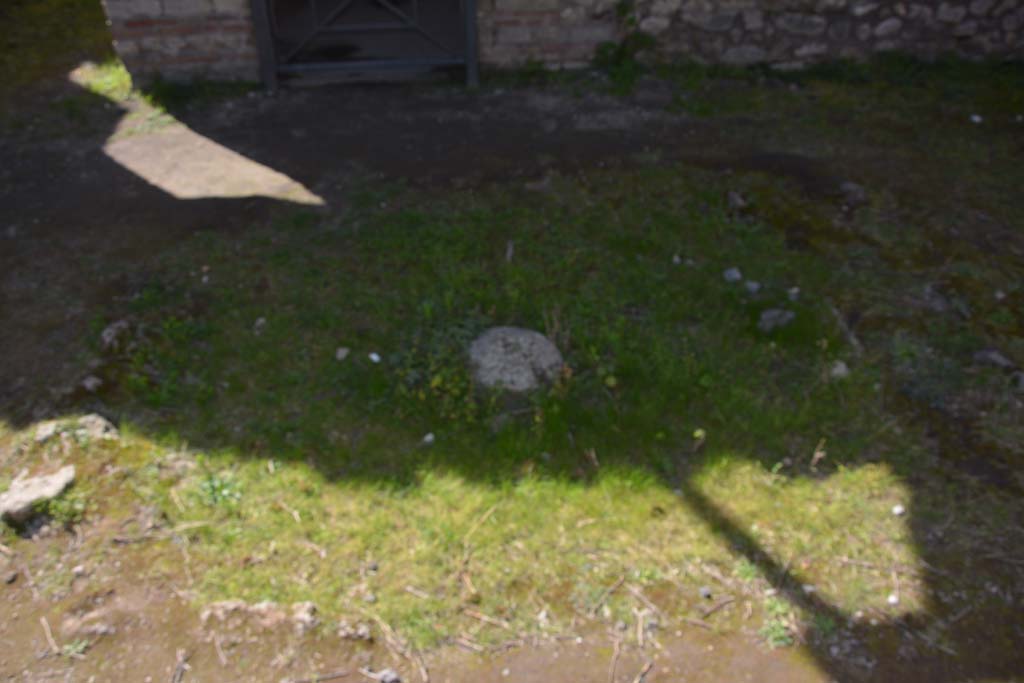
column 826, row 29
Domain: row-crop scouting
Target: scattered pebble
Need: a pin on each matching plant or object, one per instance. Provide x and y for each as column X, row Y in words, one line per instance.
column 893, row 599
column 342, row 353
column 994, row 358
column 793, row 293
column 976, row 118
column 1000, row 295
column 732, row 275
column 853, row 194
column 304, row 617
column 360, row 631
column 579, row 640
column 737, row 202
column 807, row 588
column 428, row 439
column 45, row 431
column 753, row 286
column 705, row 592
column 374, row 357
column 17, row 503
column 676, row 259
column 110, row 337
column 774, row 318
column 92, row 384
column 839, row 370
column 898, row 510
column 259, row 326
column 506, row 673
column 95, row 427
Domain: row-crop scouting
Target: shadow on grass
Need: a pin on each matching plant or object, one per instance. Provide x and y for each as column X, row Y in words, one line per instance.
column 981, row 644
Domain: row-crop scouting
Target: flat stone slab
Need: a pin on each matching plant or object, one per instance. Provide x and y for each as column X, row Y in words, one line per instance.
column 17, row 503
column 514, row 359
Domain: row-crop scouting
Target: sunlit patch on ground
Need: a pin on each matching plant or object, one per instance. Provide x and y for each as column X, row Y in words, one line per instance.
column 174, row 158
column 187, row 165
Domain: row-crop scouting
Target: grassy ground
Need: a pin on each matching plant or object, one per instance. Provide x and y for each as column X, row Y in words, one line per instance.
column 682, row 443
column 305, row 477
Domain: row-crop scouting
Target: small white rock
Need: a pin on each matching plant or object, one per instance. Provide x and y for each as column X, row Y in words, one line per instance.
column 428, row 439
column 898, row 510
column 736, row 201
column 257, row 327
column 793, row 293
column 374, row 357
column 342, row 353
column 839, row 370
column 753, row 286
column 732, row 275
column 976, row 118
column 808, row 588
column 506, row 673
column 92, row 384
column 676, row 259
column 45, row 431
column 893, row 599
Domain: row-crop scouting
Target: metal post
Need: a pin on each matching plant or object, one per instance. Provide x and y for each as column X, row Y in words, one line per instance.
column 264, row 43
column 472, row 59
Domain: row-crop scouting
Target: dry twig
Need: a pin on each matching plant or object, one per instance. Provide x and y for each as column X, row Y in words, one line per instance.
column 714, row 608
column 486, row 619
column 469, row 643
column 49, row 636
column 220, row 651
column 607, row 594
column 180, row 666
column 698, row 623
column 636, row 593
column 643, row 672
column 616, row 651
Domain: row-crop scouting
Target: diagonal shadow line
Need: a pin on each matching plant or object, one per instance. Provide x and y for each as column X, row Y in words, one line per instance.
column 782, row 578
column 788, row 584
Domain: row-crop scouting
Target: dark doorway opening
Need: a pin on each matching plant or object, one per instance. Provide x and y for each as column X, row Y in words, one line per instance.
column 365, row 39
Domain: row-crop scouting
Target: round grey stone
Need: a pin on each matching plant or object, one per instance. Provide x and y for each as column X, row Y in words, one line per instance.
column 514, row 359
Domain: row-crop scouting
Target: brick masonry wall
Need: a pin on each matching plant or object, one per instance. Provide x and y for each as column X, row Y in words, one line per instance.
column 185, row 39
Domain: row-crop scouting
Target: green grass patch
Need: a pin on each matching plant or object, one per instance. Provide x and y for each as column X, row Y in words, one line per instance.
column 310, row 471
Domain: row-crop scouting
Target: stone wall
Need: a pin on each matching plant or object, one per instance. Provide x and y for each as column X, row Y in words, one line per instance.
column 788, row 33
column 185, row 39
column 214, row 38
